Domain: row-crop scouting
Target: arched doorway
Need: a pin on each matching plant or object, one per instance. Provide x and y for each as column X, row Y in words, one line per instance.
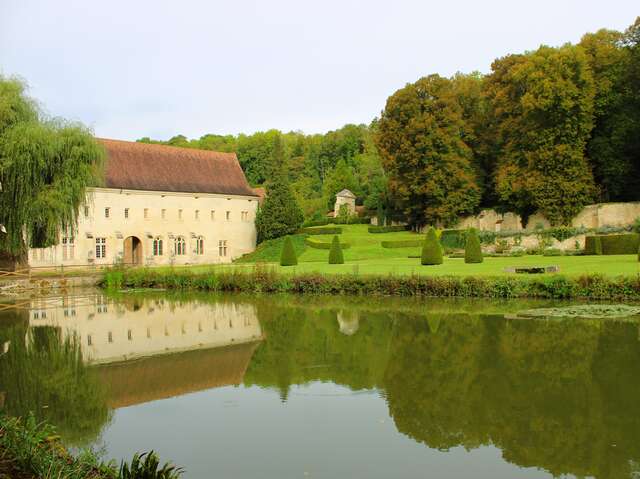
column 132, row 250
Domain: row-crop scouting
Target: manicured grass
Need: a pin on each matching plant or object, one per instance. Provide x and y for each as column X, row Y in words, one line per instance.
column 366, row 256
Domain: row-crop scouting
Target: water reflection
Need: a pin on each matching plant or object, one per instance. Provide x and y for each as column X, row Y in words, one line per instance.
column 558, row 395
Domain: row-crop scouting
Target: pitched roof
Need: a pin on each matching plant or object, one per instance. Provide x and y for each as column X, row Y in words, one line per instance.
column 346, row 193
column 152, row 167
column 261, row 192
column 165, row 376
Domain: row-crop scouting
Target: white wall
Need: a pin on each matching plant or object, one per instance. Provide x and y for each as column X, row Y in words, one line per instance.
column 110, row 332
column 238, row 231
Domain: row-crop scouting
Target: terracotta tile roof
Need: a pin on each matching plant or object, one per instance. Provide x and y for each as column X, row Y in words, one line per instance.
column 261, row 192
column 151, row 167
column 165, row 376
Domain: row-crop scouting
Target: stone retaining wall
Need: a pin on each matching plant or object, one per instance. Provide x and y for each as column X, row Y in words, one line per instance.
column 592, row 216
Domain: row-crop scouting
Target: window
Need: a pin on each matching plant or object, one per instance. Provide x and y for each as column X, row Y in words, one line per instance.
column 213, row 215
column 200, row 245
column 179, row 245
column 86, row 211
column 146, row 213
column 244, row 216
column 107, row 211
column 129, row 335
column 179, row 214
column 110, row 337
column 126, row 212
column 228, row 215
column 157, row 246
column 101, row 247
column 163, row 213
column 89, row 340
column 68, row 248
column 197, row 215
column 222, row 247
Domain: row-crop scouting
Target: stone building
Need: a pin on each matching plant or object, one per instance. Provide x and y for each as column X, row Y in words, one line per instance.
column 160, row 205
column 345, row 197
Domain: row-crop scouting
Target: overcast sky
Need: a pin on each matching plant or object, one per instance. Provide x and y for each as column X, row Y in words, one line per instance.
column 133, row 68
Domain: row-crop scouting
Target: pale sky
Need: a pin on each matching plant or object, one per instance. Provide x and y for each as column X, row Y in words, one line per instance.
column 133, row 68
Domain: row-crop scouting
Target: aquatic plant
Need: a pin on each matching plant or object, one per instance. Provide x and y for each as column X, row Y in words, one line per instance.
column 147, row 466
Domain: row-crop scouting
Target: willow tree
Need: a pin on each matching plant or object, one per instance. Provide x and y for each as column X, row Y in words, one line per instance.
column 45, row 166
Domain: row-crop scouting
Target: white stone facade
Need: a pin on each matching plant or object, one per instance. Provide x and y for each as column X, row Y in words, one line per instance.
column 155, row 228
column 345, row 197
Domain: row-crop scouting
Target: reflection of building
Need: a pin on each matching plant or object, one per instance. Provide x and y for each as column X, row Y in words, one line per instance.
column 160, row 205
column 117, row 331
column 348, row 322
column 160, row 377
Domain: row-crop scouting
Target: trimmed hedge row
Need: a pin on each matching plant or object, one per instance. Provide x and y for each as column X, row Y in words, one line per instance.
column 266, row 280
column 351, row 220
column 402, row 243
column 321, row 231
column 387, row 229
column 612, row 244
column 323, row 244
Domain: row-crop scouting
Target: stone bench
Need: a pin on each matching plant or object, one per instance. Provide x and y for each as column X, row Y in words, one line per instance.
column 532, row 269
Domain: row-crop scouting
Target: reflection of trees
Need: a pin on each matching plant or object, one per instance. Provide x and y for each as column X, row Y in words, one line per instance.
column 45, row 374
column 304, row 345
column 537, row 389
column 556, row 395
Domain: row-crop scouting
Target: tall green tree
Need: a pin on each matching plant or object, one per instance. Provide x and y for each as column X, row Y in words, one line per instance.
column 45, row 167
column 428, row 163
column 543, row 105
column 280, row 213
column 613, row 163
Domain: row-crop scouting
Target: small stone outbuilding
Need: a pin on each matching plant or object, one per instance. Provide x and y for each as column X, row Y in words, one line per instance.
column 345, row 197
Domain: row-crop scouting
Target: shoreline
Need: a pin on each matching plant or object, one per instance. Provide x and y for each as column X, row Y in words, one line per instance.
column 261, row 280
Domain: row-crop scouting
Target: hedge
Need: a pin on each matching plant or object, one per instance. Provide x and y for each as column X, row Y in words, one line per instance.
column 454, row 239
column 321, row 231
column 613, row 244
column 323, row 244
column 387, row 229
column 335, row 254
column 288, row 255
column 266, row 280
column 431, row 250
column 592, row 245
column 472, row 249
column 351, row 220
column 401, row 243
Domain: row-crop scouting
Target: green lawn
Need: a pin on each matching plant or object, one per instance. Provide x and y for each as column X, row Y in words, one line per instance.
column 366, row 256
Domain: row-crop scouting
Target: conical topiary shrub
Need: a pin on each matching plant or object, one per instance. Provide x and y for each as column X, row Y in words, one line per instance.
column 335, row 254
column 431, row 250
column 472, row 249
column 288, row 255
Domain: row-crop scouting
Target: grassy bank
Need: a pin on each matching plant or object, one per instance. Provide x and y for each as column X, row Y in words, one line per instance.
column 262, row 279
column 30, row 450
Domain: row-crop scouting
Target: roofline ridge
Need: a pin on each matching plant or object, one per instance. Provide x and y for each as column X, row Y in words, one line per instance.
column 160, row 145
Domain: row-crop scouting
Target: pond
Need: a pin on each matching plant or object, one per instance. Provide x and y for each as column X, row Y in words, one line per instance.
column 294, row 387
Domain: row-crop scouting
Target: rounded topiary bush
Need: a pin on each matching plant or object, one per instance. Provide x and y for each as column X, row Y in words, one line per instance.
column 431, row 250
column 335, row 254
column 288, row 255
column 472, row 249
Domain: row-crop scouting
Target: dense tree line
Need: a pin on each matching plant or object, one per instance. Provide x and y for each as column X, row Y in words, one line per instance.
column 315, row 166
column 549, row 130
